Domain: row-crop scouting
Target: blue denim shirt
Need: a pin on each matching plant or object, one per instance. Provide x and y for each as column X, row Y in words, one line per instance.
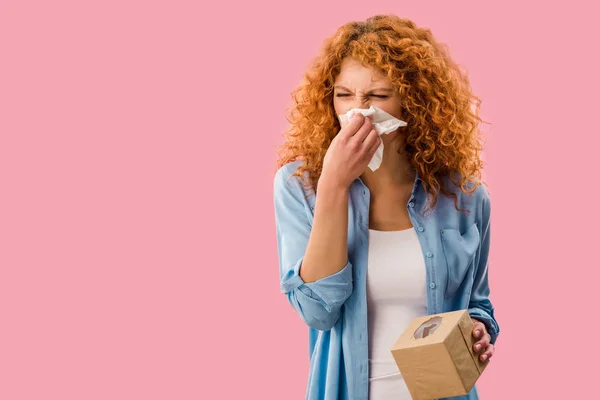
column 455, row 248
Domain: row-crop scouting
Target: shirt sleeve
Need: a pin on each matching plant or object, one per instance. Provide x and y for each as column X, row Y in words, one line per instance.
column 318, row 303
column 480, row 306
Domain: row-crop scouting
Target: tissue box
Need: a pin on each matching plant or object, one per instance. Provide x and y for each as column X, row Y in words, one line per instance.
column 435, row 355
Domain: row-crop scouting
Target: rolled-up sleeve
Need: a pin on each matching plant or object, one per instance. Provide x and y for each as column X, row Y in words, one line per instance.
column 318, row 303
column 480, row 306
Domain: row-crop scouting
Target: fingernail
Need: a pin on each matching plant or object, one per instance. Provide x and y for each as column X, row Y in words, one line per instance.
column 483, row 357
column 478, row 333
column 477, row 347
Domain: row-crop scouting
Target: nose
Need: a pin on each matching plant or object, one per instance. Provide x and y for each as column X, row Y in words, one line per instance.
column 360, row 102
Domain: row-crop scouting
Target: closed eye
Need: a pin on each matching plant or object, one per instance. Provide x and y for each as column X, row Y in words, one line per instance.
column 372, row 95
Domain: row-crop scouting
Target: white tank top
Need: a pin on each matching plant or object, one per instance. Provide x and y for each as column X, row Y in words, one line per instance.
column 396, row 294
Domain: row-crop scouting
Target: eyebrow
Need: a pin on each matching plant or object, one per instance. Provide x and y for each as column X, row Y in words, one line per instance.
column 385, row 89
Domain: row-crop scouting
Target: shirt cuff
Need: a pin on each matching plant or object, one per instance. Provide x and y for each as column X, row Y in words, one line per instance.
column 331, row 290
column 489, row 322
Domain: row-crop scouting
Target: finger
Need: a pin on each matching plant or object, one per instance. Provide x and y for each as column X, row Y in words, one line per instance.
column 373, row 148
column 353, row 126
column 478, row 329
column 489, row 352
column 371, row 139
column 482, row 344
column 363, row 131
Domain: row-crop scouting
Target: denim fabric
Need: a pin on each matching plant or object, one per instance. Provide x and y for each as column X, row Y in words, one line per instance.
column 455, row 248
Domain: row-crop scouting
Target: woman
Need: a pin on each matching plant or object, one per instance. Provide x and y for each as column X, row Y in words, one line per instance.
column 418, row 224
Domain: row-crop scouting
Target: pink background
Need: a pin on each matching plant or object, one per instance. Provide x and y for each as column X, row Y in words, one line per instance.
column 137, row 238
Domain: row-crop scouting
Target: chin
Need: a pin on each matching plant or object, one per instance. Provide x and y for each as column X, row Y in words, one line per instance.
column 392, row 136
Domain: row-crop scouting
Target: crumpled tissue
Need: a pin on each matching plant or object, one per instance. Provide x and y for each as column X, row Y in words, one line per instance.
column 382, row 122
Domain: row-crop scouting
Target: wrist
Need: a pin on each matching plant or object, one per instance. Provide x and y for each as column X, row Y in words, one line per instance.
column 330, row 185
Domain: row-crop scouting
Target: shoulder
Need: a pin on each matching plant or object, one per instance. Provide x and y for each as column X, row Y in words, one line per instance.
column 284, row 172
column 286, row 183
column 477, row 203
column 290, row 195
column 480, row 197
column 283, row 179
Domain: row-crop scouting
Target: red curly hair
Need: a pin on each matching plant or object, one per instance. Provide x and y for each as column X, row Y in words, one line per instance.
column 442, row 133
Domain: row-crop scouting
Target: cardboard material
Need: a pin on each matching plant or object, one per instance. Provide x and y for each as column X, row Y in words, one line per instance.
column 435, row 356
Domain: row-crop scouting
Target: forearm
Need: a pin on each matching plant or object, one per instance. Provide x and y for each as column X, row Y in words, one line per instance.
column 327, row 249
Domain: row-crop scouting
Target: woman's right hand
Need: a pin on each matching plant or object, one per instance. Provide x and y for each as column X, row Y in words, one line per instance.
column 350, row 152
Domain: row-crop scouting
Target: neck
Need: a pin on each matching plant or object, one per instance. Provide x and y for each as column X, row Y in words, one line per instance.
column 391, row 175
column 395, row 170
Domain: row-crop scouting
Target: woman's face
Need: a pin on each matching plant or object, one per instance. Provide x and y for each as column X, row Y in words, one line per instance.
column 357, row 86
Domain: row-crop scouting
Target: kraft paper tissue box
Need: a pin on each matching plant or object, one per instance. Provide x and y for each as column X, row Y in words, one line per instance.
column 435, row 355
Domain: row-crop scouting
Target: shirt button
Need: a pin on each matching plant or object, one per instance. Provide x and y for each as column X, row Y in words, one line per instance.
column 429, row 255
column 432, row 285
column 421, row 229
column 411, row 204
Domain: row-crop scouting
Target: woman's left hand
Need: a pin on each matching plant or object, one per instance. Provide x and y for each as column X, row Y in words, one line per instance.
column 483, row 347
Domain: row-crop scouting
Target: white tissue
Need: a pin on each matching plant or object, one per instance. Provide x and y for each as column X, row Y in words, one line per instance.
column 382, row 122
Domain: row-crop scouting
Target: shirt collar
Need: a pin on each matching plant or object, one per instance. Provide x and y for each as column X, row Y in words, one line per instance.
column 418, row 177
